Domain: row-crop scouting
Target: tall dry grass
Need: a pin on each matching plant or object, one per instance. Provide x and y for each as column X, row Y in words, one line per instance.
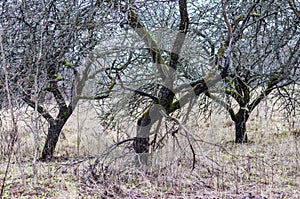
column 267, row 166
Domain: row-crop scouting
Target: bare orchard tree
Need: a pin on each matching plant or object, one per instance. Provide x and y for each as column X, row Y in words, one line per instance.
column 181, row 50
column 57, row 37
column 174, row 59
column 265, row 60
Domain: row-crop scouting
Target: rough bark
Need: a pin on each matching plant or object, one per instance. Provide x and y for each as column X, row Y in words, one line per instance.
column 51, row 141
column 240, row 132
column 55, row 127
column 240, row 121
column 141, row 142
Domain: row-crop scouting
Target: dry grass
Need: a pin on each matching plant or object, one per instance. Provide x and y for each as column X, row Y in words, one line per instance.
column 268, row 166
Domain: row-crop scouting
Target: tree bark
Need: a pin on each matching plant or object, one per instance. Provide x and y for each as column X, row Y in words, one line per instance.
column 141, row 142
column 55, row 130
column 240, row 121
column 51, row 141
column 240, row 132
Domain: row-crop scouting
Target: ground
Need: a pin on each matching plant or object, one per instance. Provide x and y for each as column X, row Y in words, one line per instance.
column 267, row 166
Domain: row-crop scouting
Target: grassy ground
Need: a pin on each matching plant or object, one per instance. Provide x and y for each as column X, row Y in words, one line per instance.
column 268, row 166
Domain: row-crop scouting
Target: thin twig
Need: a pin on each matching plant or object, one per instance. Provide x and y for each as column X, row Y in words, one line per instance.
column 14, row 132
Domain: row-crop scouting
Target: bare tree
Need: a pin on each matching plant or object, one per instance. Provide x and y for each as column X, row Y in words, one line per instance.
column 265, row 60
column 168, row 53
column 176, row 61
column 231, row 42
column 57, row 37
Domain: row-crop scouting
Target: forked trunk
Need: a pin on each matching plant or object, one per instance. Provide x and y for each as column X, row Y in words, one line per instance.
column 54, row 132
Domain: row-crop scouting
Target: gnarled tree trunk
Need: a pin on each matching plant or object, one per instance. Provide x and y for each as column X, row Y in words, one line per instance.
column 54, row 130
column 51, row 141
column 240, row 121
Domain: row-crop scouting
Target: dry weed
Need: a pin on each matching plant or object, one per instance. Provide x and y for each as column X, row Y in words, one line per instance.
column 268, row 166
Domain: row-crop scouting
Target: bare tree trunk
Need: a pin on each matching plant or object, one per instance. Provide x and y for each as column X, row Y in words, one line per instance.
column 141, row 141
column 240, row 121
column 51, row 141
column 54, row 132
column 141, row 147
column 240, row 132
